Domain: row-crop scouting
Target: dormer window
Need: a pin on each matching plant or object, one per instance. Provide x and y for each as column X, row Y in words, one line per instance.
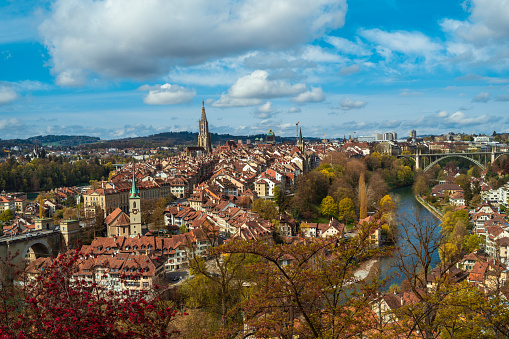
column 134, row 248
column 127, row 248
column 142, row 247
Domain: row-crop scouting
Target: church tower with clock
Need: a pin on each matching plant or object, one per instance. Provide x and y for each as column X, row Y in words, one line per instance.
column 134, row 209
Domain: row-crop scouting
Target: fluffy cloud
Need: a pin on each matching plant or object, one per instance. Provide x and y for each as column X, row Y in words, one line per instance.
column 315, row 95
column 294, row 110
column 265, row 111
column 167, row 94
column 482, row 97
column 461, row 119
column 481, row 39
column 7, row 95
column 253, row 88
column 487, row 22
column 133, row 39
column 348, row 104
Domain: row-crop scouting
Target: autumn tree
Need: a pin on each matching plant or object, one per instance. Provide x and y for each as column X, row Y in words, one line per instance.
column 311, row 189
column 158, row 215
column 377, row 189
column 346, row 210
column 387, row 205
column 363, row 201
column 328, row 206
column 307, row 289
column 422, row 183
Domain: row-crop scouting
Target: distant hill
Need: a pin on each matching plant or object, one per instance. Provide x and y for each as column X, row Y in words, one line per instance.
column 170, row 139
column 156, row 140
column 53, row 140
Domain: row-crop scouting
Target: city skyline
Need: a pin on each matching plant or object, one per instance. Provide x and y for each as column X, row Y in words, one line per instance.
column 116, row 69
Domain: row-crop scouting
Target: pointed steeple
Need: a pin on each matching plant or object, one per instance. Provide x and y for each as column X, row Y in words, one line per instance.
column 203, row 116
column 300, row 135
column 134, row 192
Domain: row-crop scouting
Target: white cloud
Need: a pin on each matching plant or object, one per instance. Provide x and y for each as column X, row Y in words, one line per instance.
column 348, row 47
column 487, row 22
column 482, row 38
column 315, row 95
column 348, row 104
column 7, row 95
column 459, row 118
column 412, row 43
column 266, row 108
column 133, row 39
column 167, row 94
column 70, row 78
column 442, row 114
column 265, row 111
column 348, row 70
column 482, row 97
column 294, row 110
column 253, row 88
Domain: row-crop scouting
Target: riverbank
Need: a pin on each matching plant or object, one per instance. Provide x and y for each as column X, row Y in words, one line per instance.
column 430, row 208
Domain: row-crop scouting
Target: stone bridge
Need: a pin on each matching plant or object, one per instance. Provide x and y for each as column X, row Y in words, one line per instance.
column 45, row 241
column 31, row 246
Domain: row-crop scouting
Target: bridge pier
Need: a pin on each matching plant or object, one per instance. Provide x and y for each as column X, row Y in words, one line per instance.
column 418, row 159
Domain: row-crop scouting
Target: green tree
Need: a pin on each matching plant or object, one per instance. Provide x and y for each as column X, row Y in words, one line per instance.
column 346, row 210
column 7, row 215
column 328, row 206
column 278, row 197
column 265, row 208
column 472, row 242
column 183, row 229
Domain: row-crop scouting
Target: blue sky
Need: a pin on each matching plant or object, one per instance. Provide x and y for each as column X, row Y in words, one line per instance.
column 123, row 68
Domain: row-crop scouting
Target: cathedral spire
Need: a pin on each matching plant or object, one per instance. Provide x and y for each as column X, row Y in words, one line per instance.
column 203, row 116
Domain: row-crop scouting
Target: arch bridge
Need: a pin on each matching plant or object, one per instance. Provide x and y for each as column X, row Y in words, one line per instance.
column 28, row 247
column 426, row 161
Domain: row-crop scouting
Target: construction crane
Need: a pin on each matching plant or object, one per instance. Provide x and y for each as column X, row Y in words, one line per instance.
column 8, row 152
column 297, row 130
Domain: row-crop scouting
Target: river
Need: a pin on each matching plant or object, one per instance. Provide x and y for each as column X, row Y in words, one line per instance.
column 407, row 208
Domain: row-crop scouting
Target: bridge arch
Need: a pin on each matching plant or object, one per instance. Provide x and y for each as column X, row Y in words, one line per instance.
column 445, row 156
column 36, row 249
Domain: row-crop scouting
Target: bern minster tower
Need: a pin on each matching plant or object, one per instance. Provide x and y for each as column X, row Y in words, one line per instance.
column 203, row 134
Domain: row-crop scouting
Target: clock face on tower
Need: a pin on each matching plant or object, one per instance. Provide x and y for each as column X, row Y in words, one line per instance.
column 135, row 211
